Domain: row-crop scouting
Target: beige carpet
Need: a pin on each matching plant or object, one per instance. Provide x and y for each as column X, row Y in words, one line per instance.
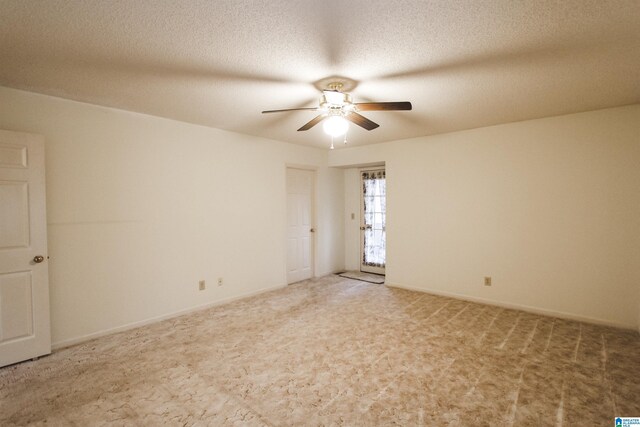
column 336, row 351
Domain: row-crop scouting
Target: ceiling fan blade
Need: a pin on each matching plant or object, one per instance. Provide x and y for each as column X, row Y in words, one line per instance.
column 291, row 109
column 383, row 106
column 361, row 121
column 313, row 122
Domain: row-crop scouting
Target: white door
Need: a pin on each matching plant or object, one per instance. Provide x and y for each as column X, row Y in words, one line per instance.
column 373, row 230
column 24, row 285
column 299, row 224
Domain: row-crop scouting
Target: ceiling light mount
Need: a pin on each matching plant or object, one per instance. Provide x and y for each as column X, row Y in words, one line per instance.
column 335, row 86
column 348, row 85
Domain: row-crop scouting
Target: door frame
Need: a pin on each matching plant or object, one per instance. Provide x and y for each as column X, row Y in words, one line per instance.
column 314, row 203
column 373, row 270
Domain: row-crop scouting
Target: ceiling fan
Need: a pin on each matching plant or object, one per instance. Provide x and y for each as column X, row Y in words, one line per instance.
column 336, row 108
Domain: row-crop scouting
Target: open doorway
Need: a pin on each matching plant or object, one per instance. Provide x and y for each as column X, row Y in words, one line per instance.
column 373, row 246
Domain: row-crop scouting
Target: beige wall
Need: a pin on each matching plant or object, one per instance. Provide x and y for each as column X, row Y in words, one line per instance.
column 141, row 208
column 549, row 208
column 352, row 226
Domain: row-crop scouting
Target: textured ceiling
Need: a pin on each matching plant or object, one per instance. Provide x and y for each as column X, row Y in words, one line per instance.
column 463, row 64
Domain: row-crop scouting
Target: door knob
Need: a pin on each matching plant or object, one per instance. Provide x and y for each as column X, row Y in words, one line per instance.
column 38, row 259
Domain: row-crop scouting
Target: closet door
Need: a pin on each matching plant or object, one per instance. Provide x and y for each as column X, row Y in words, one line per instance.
column 299, row 224
column 24, row 284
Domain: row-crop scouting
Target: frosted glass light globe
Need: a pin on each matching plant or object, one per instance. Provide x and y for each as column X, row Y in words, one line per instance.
column 335, row 126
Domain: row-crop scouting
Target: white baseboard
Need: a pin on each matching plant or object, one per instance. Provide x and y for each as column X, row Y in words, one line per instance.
column 73, row 341
column 530, row 309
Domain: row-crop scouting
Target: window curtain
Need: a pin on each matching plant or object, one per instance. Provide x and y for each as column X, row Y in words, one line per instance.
column 374, row 195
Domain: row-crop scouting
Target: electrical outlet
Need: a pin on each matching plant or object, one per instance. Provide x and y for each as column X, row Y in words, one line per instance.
column 353, row 216
column 219, row 281
column 201, row 285
column 487, row 281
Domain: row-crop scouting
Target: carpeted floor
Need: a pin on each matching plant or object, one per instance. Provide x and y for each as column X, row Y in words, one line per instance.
column 363, row 277
column 336, row 351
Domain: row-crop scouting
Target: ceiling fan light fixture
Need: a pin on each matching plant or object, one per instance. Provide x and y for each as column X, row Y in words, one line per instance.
column 336, row 109
column 335, row 98
column 335, row 126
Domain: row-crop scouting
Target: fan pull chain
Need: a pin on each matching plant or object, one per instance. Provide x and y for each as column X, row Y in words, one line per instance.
column 332, row 147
